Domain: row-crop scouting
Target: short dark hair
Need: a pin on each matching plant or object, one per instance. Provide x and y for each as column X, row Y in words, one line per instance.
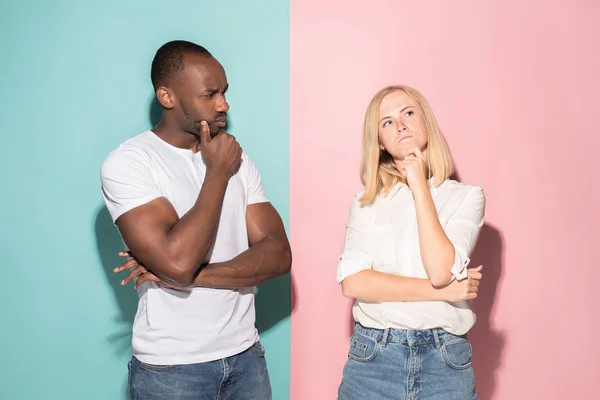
column 168, row 61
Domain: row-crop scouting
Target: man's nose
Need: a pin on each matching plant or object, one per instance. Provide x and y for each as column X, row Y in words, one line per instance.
column 222, row 105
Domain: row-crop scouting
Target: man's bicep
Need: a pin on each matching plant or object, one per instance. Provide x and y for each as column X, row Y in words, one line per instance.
column 262, row 220
column 144, row 230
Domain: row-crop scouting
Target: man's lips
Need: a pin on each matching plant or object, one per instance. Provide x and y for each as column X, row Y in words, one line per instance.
column 221, row 121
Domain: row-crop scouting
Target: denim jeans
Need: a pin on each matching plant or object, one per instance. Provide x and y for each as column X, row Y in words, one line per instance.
column 407, row 364
column 240, row 377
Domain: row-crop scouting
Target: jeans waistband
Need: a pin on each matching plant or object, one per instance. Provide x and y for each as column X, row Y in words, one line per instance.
column 408, row 336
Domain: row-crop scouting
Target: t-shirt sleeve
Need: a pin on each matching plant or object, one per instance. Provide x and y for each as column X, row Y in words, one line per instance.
column 256, row 193
column 127, row 181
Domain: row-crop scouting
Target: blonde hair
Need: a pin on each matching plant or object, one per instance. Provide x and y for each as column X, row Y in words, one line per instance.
column 378, row 172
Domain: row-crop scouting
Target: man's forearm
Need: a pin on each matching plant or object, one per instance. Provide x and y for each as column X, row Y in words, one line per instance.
column 190, row 238
column 174, row 248
column 267, row 259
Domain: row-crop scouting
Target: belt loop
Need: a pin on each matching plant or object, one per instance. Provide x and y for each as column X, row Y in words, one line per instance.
column 384, row 340
column 438, row 343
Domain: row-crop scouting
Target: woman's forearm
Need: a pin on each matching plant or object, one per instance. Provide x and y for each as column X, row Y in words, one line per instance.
column 375, row 286
column 437, row 252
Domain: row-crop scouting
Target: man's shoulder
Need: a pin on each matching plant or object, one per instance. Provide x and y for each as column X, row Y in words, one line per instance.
column 247, row 166
column 131, row 152
column 139, row 143
column 247, row 160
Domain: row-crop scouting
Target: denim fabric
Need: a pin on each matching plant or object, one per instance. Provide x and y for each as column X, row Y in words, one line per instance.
column 240, row 377
column 408, row 365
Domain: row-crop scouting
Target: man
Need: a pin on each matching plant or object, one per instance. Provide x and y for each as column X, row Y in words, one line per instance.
column 190, row 207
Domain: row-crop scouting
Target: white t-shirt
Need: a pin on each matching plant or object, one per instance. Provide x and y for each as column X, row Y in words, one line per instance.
column 197, row 324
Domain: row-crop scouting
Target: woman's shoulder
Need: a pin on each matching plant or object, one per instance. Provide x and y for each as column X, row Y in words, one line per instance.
column 466, row 189
column 452, row 184
column 358, row 195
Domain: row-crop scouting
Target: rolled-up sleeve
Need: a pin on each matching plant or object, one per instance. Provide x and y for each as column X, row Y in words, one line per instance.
column 463, row 228
column 355, row 256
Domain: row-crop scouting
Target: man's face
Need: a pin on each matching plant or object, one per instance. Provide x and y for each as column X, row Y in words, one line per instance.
column 201, row 95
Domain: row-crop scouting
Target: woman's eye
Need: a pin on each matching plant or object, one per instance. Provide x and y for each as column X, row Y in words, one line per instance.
column 410, row 113
column 386, row 123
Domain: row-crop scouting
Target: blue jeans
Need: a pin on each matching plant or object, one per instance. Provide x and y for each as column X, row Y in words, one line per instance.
column 243, row 376
column 405, row 364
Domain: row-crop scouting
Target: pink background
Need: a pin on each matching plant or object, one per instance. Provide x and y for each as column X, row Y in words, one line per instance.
column 514, row 85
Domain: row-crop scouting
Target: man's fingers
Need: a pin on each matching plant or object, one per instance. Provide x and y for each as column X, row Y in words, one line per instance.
column 204, row 133
column 136, row 272
column 145, row 278
column 127, row 265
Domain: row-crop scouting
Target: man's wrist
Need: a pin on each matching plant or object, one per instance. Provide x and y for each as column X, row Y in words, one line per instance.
column 217, row 176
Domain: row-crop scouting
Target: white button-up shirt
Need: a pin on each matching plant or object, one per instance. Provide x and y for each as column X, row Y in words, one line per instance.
column 383, row 236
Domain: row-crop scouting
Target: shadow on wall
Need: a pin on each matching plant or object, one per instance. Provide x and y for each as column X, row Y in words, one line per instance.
column 273, row 302
column 155, row 112
column 488, row 343
column 108, row 244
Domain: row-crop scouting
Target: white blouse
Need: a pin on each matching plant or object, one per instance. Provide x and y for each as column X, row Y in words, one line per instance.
column 383, row 236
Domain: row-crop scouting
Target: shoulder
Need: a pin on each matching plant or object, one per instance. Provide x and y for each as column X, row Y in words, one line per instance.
column 358, row 195
column 358, row 206
column 247, row 167
column 133, row 153
column 246, row 159
column 465, row 194
column 464, row 188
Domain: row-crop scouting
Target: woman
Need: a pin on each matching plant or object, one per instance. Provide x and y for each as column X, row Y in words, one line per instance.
column 408, row 241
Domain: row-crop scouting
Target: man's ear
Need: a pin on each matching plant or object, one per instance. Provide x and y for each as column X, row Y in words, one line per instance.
column 166, row 97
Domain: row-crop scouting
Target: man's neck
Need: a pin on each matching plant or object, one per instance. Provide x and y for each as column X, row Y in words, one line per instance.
column 176, row 137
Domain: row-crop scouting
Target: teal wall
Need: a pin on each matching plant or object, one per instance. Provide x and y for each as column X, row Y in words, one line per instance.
column 74, row 79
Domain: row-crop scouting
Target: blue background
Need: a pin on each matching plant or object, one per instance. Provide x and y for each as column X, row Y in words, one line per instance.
column 75, row 79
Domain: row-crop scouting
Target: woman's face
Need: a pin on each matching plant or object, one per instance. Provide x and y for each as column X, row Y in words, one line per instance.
column 401, row 125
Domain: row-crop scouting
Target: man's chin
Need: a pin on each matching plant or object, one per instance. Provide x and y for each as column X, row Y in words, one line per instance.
column 215, row 130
